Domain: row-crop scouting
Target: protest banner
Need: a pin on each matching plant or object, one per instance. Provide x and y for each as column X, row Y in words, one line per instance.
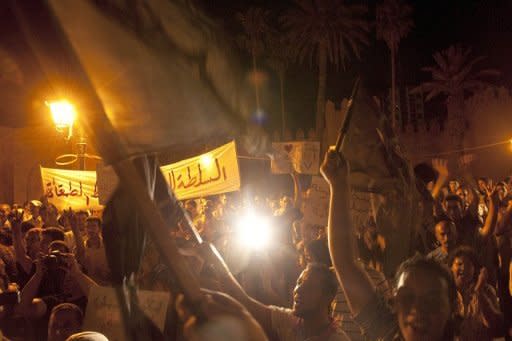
column 316, row 205
column 215, row 172
column 104, row 316
column 301, row 156
column 70, row 188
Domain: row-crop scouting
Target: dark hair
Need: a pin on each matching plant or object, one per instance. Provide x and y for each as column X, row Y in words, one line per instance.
column 330, row 283
column 425, row 172
column 421, row 262
column 54, row 233
column 69, row 308
column 319, row 251
column 469, row 253
column 27, row 225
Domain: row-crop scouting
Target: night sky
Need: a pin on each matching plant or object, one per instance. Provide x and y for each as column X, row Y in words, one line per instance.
column 484, row 25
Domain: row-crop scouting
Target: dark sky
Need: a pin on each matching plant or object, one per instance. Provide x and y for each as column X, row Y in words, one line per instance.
column 486, row 26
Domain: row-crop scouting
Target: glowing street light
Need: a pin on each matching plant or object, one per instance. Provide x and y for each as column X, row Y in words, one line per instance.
column 63, row 113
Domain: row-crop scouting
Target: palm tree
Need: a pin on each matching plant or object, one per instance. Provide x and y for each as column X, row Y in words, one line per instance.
column 322, row 32
column 454, row 76
column 278, row 59
column 255, row 24
column 393, row 24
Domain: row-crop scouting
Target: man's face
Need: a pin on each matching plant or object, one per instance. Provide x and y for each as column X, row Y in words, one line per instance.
column 446, row 235
column 422, row 301
column 308, row 296
column 463, row 271
column 34, row 210
column 482, row 184
column 92, row 229
column 62, row 325
column 454, row 185
column 453, row 209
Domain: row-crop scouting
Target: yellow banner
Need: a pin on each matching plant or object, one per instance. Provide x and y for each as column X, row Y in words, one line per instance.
column 69, row 188
column 211, row 173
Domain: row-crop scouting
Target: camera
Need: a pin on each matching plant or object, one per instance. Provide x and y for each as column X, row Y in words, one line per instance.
column 54, row 260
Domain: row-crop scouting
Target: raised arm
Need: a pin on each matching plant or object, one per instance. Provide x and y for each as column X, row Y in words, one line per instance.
column 354, row 280
column 441, row 166
column 29, row 291
column 297, row 194
column 77, row 235
column 492, row 216
column 19, row 250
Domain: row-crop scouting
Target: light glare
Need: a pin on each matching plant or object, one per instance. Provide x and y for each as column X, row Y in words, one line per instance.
column 254, row 231
column 63, row 113
column 206, row 160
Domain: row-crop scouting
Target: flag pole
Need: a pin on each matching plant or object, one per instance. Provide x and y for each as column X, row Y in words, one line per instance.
column 98, row 126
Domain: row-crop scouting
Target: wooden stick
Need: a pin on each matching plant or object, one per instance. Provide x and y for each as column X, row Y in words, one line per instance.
column 348, row 117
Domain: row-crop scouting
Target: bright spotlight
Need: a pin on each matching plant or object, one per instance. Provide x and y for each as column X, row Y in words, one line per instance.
column 253, row 231
column 206, row 160
column 63, row 113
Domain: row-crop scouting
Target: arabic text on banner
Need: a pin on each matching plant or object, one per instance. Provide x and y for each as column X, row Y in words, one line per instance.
column 211, row 173
column 70, row 188
column 301, row 156
column 103, row 314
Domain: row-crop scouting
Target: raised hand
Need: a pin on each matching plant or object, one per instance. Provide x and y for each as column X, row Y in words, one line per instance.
column 334, row 168
column 491, row 192
column 441, row 166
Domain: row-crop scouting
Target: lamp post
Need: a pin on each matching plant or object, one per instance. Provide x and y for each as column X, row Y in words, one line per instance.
column 64, row 116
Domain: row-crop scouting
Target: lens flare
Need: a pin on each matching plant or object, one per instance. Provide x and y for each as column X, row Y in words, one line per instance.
column 253, row 231
column 63, row 113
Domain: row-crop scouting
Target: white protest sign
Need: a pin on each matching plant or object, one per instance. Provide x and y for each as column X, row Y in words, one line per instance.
column 215, row 172
column 103, row 314
column 316, row 205
column 70, row 188
column 301, row 156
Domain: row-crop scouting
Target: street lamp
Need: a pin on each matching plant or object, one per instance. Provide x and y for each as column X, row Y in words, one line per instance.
column 64, row 116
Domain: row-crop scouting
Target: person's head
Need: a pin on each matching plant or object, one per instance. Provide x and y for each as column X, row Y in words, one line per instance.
column 5, row 210
column 482, row 184
column 316, row 251
column 453, row 185
column 208, row 208
column 49, row 214
column 453, row 207
column 49, row 235
column 58, row 245
column 33, row 241
column 446, row 234
column 81, row 217
column 464, row 265
column 65, row 320
column 462, row 193
column 502, row 190
column 93, row 227
column 370, row 237
column 191, row 207
column 425, row 300
column 315, row 290
column 285, row 202
column 34, row 207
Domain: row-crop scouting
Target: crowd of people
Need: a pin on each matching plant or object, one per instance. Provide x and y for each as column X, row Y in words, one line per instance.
column 309, row 282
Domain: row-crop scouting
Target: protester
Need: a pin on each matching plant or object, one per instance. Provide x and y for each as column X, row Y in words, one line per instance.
column 425, row 293
column 446, row 236
column 65, row 320
column 477, row 301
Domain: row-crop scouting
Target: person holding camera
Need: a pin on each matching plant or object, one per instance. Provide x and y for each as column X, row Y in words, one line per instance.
column 58, row 278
